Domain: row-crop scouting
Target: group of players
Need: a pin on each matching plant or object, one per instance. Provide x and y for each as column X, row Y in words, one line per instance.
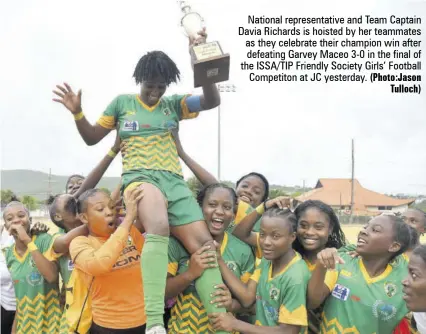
column 151, row 258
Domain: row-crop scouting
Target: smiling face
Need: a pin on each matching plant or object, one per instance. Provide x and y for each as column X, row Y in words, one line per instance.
column 16, row 214
column 415, row 284
column 74, row 184
column 251, row 190
column 275, row 237
column 153, row 90
column 313, row 229
column 218, row 210
column 100, row 215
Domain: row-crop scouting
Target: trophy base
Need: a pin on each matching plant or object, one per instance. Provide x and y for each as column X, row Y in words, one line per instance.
column 210, row 64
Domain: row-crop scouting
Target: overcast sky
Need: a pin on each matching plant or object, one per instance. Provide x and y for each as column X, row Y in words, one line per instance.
column 289, row 132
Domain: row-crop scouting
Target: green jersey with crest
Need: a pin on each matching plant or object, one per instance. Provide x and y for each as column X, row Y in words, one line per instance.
column 282, row 299
column 360, row 304
column 37, row 301
column 188, row 314
column 146, row 131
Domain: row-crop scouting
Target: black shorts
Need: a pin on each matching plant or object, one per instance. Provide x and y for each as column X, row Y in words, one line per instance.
column 95, row 329
column 7, row 318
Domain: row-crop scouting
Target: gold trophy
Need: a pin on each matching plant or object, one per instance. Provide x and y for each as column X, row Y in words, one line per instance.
column 211, row 65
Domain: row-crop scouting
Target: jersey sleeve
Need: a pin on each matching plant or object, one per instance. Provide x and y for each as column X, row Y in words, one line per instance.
column 175, row 255
column 293, row 305
column 109, row 118
column 98, row 261
column 258, row 249
column 44, row 243
column 52, row 255
column 247, row 268
column 331, row 279
column 181, row 107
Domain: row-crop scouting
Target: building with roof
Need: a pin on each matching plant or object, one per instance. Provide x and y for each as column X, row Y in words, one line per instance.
column 337, row 194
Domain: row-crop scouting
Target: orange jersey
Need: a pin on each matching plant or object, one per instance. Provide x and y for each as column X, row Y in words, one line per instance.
column 112, row 266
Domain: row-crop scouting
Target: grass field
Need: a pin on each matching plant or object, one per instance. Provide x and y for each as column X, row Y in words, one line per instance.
column 351, row 231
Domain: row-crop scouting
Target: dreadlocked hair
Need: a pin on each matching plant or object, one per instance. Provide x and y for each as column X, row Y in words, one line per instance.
column 82, row 200
column 403, row 234
column 336, row 238
column 284, row 214
column 264, row 180
column 156, row 64
column 414, row 237
column 78, row 176
column 207, row 190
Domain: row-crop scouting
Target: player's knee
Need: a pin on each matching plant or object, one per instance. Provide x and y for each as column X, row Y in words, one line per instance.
column 158, row 226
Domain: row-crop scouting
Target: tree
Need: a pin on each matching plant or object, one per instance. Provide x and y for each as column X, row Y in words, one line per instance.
column 30, row 202
column 274, row 193
column 7, row 196
column 194, row 185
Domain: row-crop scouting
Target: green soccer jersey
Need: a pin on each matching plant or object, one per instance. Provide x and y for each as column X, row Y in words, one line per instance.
column 360, row 304
column 188, row 314
column 65, row 268
column 146, row 130
column 282, row 299
column 37, row 301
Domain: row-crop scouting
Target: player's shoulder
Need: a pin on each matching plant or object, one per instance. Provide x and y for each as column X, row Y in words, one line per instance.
column 299, row 268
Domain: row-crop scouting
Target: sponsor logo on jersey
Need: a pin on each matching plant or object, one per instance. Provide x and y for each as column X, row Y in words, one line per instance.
column 270, row 312
column 130, row 126
column 340, row 292
column 130, row 113
column 70, row 265
column 274, row 293
column 390, row 289
column 355, row 298
column 383, row 311
column 345, row 273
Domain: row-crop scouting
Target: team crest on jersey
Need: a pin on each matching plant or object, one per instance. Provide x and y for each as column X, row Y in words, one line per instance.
column 130, row 126
column 383, row 311
column 32, row 263
column 390, row 289
column 70, row 265
column 166, row 111
column 340, row 292
column 129, row 241
column 34, row 278
column 274, row 293
column 232, row 266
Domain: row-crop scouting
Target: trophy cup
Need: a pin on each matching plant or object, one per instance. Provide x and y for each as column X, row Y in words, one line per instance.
column 211, row 65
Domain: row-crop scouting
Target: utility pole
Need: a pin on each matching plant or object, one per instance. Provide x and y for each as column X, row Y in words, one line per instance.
column 352, row 182
column 223, row 88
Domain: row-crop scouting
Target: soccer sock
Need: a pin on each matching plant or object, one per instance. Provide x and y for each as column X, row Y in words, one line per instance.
column 154, row 273
column 205, row 287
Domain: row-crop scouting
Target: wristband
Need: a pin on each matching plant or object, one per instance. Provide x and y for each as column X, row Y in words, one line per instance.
column 112, row 154
column 261, row 209
column 78, row 116
column 32, row 247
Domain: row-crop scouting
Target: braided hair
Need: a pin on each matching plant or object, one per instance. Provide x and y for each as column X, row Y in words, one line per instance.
column 156, row 64
column 284, row 214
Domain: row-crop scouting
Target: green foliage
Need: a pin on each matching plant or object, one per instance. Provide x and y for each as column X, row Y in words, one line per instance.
column 194, row 185
column 274, row 193
column 7, row 196
column 30, row 202
column 421, row 205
